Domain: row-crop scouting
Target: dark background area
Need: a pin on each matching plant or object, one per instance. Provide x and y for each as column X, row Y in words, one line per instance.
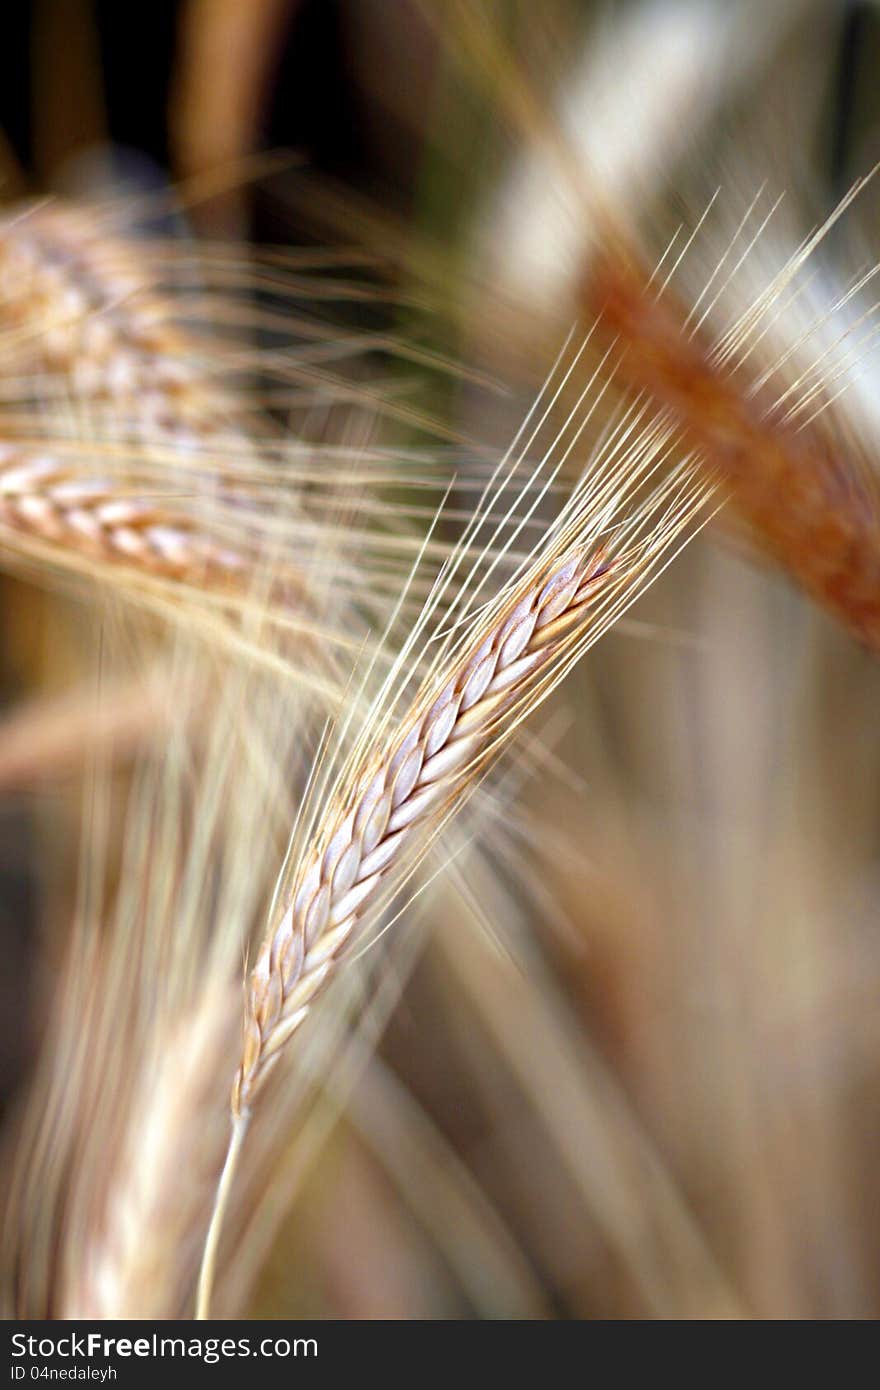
column 118, row 61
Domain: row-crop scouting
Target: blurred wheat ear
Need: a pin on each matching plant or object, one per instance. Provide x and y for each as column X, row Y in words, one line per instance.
column 133, row 457
column 85, row 329
column 808, row 493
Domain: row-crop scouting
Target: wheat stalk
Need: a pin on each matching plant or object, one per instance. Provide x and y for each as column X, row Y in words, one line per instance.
column 111, row 1186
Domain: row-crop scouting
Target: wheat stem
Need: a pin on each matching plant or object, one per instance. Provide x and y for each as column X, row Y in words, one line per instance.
column 239, row 1128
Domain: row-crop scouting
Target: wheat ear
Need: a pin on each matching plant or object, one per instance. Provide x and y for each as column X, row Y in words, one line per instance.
column 401, row 786
column 408, row 787
column 59, row 502
column 811, row 508
column 75, row 303
column 405, row 790
column 77, row 300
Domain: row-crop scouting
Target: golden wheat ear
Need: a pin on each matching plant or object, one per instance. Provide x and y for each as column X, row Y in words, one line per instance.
column 417, row 759
column 405, row 790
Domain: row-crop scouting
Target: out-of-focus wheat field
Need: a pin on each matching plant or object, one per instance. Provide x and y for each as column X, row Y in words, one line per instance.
column 619, row 1058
